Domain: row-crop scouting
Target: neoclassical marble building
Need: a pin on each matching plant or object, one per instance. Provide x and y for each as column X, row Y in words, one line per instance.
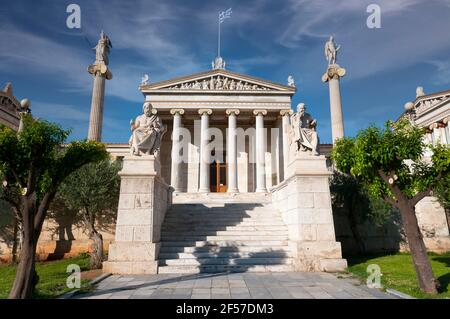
column 9, row 108
column 225, row 101
column 237, row 183
column 432, row 112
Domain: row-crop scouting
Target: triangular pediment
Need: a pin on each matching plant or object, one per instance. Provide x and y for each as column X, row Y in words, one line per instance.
column 428, row 102
column 218, row 81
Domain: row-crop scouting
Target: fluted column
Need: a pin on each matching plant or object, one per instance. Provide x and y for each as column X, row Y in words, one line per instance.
column 332, row 76
column 232, row 151
column 204, row 151
column 286, row 114
column 176, row 159
column 100, row 71
column 96, row 117
column 260, row 152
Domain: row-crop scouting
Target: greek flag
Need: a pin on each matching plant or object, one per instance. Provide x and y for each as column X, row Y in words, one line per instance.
column 225, row 15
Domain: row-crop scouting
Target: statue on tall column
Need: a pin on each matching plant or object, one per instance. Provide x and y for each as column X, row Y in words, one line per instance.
column 304, row 131
column 148, row 131
column 102, row 49
column 331, row 51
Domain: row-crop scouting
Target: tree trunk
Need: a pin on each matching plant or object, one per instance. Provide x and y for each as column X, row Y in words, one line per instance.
column 422, row 265
column 97, row 251
column 97, row 238
column 15, row 241
column 26, row 276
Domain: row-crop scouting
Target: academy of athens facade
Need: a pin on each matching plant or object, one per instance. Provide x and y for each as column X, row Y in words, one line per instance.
column 235, row 170
column 220, row 112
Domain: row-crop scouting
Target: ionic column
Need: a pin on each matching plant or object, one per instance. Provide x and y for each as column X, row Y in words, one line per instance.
column 232, row 151
column 332, row 76
column 96, row 117
column 286, row 114
column 260, row 152
column 204, row 151
column 176, row 159
column 101, row 73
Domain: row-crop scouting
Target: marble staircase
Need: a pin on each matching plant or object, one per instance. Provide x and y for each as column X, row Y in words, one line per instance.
column 224, row 237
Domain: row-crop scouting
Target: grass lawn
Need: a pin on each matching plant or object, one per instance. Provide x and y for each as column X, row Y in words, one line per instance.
column 399, row 274
column 52, row 277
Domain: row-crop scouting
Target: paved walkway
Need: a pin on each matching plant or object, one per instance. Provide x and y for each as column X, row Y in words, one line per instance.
column 235, row 286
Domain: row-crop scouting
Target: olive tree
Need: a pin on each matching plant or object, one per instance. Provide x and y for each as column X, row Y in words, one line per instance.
column 34, row 163
column 92, row 192
column 390, row 163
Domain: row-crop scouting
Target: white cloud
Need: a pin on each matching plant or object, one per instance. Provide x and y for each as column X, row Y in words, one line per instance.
column 442, row 74
column 27, row 53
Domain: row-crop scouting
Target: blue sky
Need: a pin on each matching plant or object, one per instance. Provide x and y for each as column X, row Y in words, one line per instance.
column 47, row 62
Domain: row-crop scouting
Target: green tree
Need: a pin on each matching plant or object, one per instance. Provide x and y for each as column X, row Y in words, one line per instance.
column 93, row 192
column 351, row 199
column 10, row 220
column 34, row 163
column 389, row 162
column 442, row 188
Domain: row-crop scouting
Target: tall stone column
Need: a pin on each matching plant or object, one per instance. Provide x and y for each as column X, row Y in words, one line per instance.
column 332, row 76
column 100, row 72
column 286, row 114
column 176, row 159
column 232, row 151
column 260, row 151
column 96, row 117
column 204, row 151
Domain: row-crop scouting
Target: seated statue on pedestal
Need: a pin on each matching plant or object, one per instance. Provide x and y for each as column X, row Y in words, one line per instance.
column 148, row 131
column 304, row 131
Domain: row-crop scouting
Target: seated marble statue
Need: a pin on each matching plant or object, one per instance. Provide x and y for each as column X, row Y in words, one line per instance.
column 147, row 133
column 304, row 131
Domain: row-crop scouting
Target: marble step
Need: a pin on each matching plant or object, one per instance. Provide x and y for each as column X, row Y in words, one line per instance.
column 225, row 261
column 225, row 254
column 224, row 249
column 199, row 217
column 212, row 232
column 226, row 237
column 223, row 228
column 202, row 243
column 222, row 198
column 223, row 268
column 220, row 209
column 219, row 220
column 220, row 216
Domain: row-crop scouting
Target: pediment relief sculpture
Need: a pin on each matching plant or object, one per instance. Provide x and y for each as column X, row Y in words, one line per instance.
column 427, row 104
column 219, row 82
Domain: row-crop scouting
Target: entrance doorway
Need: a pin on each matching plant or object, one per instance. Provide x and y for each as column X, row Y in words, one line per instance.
column 218, row 177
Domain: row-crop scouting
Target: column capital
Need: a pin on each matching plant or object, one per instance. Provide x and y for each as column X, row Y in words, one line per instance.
column 203, row 111
column 446, row 120
column 262, row 112
column 175, row 111
column 233, row 111
column 433, row 126
column 100, row 69
column 286, row 112
column 334, row 71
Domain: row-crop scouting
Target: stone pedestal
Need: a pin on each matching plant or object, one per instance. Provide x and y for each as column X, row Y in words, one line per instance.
column 305, row 203
column 144, row 200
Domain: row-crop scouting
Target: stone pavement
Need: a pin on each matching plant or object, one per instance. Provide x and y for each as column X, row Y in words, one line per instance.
column 233, row 286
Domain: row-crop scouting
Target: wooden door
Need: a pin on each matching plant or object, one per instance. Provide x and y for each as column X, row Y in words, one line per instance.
column 218, row 177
